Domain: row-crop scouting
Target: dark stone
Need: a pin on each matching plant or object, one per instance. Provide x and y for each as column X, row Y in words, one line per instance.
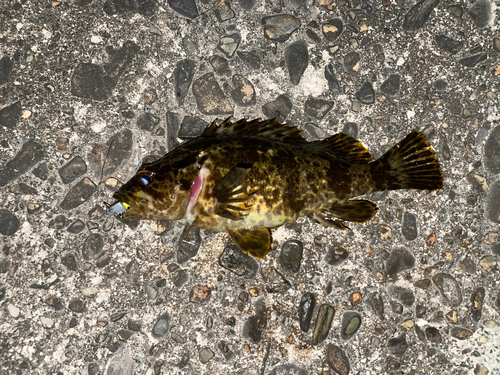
column 103, row 260
column 421, row 310
column 296, row 59
column 323, row 323
column 58, row 222
column 291, row 255
column 448, row 44
column 333, row 83
column 397, row 346
column 29, row 155
column 5, row 70
column 69, row 261
column 76, row 226
column 494, row 202
column 440, row 85
column 377, row 304
column 22, row 188
column 472, row 61
column 477, row 300
column 9, row 223
column 183, row 76
column 366, row 94
column 351, row 321
column 72, row 170
column 41, row 171
column 305, row 310
column 409, row 226
column 242, row 264
column 97, row 82
column 189, row 243
column 180, row 277
column 351, row 128
column 391, row 85
column 317, row 108
column 449, row 288
column 289, row 370
column 244, row 92
column 492, row 151
column 275, row 282
column 404, row 295
column 228, row 44
column 10, row 115
column 419, row 14
column 480, row 11
column 186, row 8
column 78, row 194
column 280, row 108
column 460, row 333
column 119, row 151
column 191, row 127
column 225, row 350
column 77, row 305
column 210, row 98
column 5, row 265
column 147, row 121
column 351, row 61
column 336, row 255
column 255, row 324
column 279, row 28
column 220, row 65
column 160, row 328
column 337, row 360
column 92, row 247
column 93, row 368
column 332, row 29
column 455, row 10
column 223, row 11
column 398, row 261
column 250, row 59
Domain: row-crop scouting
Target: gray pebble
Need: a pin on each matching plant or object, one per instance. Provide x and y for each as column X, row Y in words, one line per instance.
column 160, row 328
column 146, row 121
column 244, row 92
column 183, row 76
column 229, row 43
column 296, row 59
column 186, row 8
column 30, row 154
column 78, row 194
column 209, row 96
column 399, row 260
column 75, row 168
column 189, row 243
column 494, row 202
column 366, row 94
column 305, row 310
column 419, row 14
column 397, row 346
column 234, row 260
column 472, row 61
column 10, row 115
column 280, row 108
column 480, row 11
column 223, row 11
column 220, row 65
column 191, row 127
column 250, row 59
column 119, row 151
column 332, row 29
column 5, row 70
column 333, row 83
column 279, row 28
column 206, row 355
column 391, row 85
column 449, row 288
column 409, row 226
column 448, row 44
column 9, row 223
column 492, row 151
column 317, row 107
column 291, row 255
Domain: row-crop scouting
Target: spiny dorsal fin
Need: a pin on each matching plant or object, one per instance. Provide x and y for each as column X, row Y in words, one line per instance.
column 269, row 129
column 344, row 147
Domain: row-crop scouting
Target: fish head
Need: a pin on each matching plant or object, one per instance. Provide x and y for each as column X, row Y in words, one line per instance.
column 159, row 191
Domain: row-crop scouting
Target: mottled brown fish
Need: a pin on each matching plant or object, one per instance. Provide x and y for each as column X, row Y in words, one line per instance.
column 248, row 177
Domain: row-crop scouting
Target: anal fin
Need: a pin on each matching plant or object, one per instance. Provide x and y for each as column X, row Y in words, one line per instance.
column 231, row 193
column 357, row 211
column 255, row 241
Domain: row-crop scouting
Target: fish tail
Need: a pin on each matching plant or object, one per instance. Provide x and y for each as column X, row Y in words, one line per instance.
column 412, row 164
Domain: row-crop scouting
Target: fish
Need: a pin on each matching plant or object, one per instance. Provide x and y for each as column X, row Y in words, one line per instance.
column 249, row 177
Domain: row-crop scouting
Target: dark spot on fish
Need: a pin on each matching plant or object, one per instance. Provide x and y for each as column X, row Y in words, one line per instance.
column 185, row 184
column 184, row 162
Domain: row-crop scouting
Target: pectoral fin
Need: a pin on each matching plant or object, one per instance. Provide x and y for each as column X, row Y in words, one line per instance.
column 231, row 193
column 358, row 211
column 255, row 241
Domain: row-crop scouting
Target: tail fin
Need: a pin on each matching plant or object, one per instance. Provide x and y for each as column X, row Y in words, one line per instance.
column 412, row 164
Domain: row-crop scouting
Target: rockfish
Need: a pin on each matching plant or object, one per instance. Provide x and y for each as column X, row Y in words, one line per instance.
column 249, row 177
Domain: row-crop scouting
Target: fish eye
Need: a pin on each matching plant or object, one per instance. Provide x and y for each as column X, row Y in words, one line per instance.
column 144, row 177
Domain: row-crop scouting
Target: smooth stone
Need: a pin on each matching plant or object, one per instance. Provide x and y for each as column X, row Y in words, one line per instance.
column 186, row 8
column 419, row 14
column 210, row 98
column 480, row 11
column 72, row 170
column 5, row 265
column 409, row 226
column 223, row 11
column 244, row 92
column 77, row 305
column 91, row 81
column 241, row 264
column 317, row 107
column 448, row 44
column 250, row 59
column 256, row 324
column 191, row 127
column 492, row 151
column 496, row 44
column 180, row 277
column 472, row 61
column 336, row 255
column 391, row 85
column 351, row 128
column 366, row 94
column 296, row 60
column 275, row 282
column 146, row 121
column 119, row 151
column 477, row 300
column 30, row 154
column 189, row 244
column 6, row 65
column 228, row 44
column 200, row 294
column 397, row 346
column 351, row 62
column 333, row 83
column 219, row 64
column 280, row 108
column 377, row 304
column 291, row 255
column 92, row 247
column 279, row 28
column 422, row 284
column 151, row 291
column 314, row 131
column 76, row 226
column 404, row 295
column 421, row 310
column 399, row 260
column 10, row 115
column 183, row 76
column 460, row 333
column 351, row 322
column 41, row 171
column 467, row 265
column 449, row 288
column 9, row 223
column 289, row 370
column 433, row 335
column 78, row 194
column 70, row 262
column 13, row 310
column 305, row 310
column 206, row 355
column 160, row 328
column 455, row 10
column 337, row 359
column 23, row 189
column 440, row 85
column 332, row 29
column 494, row 203
column 489, row 263
column 323, row 323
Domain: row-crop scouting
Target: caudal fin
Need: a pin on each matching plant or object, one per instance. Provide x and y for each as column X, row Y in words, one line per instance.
column 412, row 164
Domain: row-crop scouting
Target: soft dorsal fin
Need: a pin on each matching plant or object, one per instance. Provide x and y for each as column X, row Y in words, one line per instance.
column 344, row 147
column 269, row 129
